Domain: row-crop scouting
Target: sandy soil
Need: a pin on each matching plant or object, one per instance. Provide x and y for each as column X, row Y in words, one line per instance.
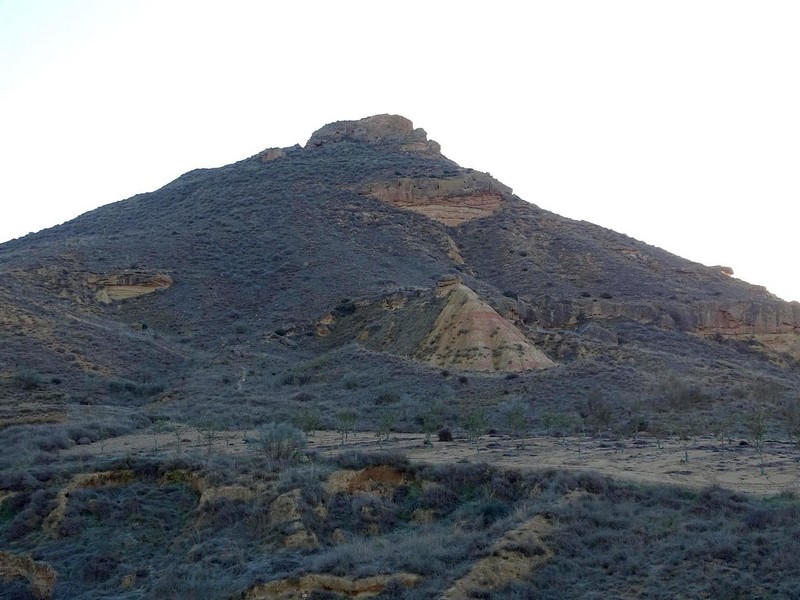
column 641, row 460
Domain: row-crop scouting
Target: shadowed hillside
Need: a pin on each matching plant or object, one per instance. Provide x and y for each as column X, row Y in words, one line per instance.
column 221, row 282
column 361, row 282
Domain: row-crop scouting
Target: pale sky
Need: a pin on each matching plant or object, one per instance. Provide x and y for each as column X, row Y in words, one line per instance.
column 677, row 123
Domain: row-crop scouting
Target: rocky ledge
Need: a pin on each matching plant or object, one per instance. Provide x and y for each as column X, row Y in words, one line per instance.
column 378, row 129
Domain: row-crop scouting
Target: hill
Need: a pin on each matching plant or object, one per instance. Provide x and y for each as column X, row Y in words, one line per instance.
column 363, row 281
column 229, row 280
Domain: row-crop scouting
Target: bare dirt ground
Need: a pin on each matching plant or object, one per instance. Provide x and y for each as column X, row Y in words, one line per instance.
column 642, row 460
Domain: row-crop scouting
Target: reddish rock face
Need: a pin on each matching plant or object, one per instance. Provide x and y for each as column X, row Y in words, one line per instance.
column 452, row 200
column 449, row 200
column 120, row 286
column 469, row 334
column 450, row 210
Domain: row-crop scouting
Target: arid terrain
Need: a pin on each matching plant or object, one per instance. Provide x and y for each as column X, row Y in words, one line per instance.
column 734, row 464
column 224, row 388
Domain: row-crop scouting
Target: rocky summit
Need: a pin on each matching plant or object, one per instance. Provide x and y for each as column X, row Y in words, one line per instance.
column 362, row 282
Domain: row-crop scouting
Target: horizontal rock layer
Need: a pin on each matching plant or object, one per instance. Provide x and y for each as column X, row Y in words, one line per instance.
column 452, row 200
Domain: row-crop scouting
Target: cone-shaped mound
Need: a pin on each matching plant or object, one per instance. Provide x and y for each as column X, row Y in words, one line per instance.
column 469, row 334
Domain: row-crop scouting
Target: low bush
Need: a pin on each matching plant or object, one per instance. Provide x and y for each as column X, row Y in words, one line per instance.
column 281, row 442
column 296, row 379
column 466, row 480
column 438, row 498
column 99, row 568
column 387, row 396
column 351, row 381
column 362, row 460
column 482, row 513
column 28, row 379
column 136, row 390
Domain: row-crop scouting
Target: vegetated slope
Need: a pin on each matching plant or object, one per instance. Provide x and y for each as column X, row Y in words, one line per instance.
column 580, row 268
column 222, row 284
column 218, row 527
column 311, row 285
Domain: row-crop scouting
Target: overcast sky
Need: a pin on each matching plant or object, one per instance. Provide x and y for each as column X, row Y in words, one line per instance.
column 677, row 123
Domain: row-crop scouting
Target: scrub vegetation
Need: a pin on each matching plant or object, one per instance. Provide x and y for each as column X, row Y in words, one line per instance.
column 209, row 525
column 266, row 302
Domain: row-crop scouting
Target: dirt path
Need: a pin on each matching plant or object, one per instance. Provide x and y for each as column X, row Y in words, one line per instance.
column 642, row 460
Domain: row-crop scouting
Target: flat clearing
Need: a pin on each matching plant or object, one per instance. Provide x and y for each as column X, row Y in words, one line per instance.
column 641, row 460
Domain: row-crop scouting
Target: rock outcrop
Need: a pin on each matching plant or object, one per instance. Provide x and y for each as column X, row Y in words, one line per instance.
column 285, row 513
column 130, row 284
column 708, row 317
column 513, row 557
column 773, row 324
column 776, row 325
column 271, row 154
column 380, row 480
column 378, row 129
column 469, row 334
column 303, row 587
column 42, row 577
column 234, row 493
column 100, row 479
column 450, row 326
column 451, row 200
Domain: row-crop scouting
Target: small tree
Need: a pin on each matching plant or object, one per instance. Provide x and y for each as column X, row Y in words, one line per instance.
column 757, row 427
column 346, row 419
column 598, row 412
column 160, row 425
column 243, row 422
column 661, row 430
column 431, row 420
column 308, row 420
column 683, row 429
column 430, row 423
column 565, row 424
column 209, row 433
column 558, row 423
column 178, row 431
column 386, row 422
column 766, row 392
column 475, row 424
column 517, row 421
column 226, row 431
column 720, row 428
column 548, row 419
column 791, row 420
